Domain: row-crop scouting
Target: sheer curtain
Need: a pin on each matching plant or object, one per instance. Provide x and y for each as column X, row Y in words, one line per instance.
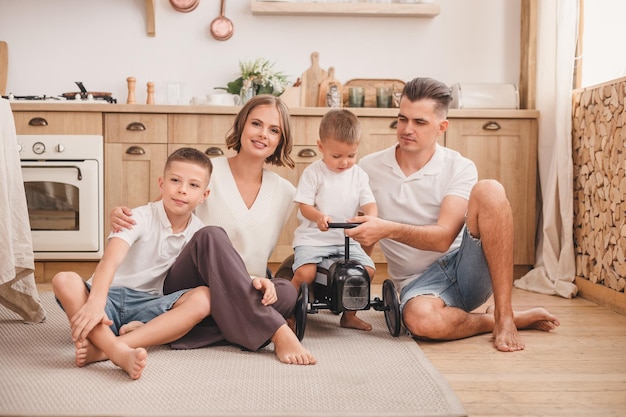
column 555, row 269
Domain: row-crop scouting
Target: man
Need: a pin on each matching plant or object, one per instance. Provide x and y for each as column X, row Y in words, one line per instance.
column 447, row 237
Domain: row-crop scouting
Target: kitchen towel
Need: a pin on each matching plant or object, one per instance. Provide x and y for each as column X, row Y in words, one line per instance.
column 18, row 291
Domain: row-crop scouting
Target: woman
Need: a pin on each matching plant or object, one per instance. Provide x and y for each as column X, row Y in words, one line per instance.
column 250, row 202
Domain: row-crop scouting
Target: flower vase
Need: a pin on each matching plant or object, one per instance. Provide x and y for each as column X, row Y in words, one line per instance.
column 247, row 91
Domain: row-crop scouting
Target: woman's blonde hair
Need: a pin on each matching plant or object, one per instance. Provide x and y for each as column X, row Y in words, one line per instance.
column 282, row 154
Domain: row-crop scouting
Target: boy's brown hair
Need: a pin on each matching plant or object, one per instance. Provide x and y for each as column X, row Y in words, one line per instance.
column 341, row 125
column 190, row 155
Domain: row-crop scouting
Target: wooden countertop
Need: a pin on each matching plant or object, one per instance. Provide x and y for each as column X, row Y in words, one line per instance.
column 297, row 111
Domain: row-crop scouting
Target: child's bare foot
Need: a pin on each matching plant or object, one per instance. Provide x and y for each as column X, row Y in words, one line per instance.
column 87, row 353
column 133, row 361
column 129, row 327
column 351, row 321
column 288, row 348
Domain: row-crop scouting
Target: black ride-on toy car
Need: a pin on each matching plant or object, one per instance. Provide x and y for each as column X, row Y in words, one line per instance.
column 342, row 285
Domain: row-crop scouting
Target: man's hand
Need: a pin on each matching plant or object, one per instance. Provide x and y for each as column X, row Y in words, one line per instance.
column 371, row 230
column 266, row 286
column 85, row 319
column 121, row 218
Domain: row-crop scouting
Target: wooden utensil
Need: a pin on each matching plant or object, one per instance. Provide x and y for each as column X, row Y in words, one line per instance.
column 311, row 80
column 325, row 85
column 222, row 27
column 4, row 67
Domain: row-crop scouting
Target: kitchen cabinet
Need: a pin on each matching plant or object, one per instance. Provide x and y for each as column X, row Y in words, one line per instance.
column 138, row 138
column 204, row 132
column 57, row 123
column 135, row 151
column 505, row 150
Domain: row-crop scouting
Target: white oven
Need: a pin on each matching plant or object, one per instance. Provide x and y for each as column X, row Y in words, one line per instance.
column 63, row 181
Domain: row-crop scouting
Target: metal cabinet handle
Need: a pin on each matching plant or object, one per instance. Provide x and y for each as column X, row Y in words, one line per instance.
column 394, row 124
column 214, row 151
column 307, row 153
column 135, row 150
column 136, row 127
column 38, row 121
column 491, row 125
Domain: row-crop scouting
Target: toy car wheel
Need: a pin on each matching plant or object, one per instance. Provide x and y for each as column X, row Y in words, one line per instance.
column 391, row 308
column 302, row 306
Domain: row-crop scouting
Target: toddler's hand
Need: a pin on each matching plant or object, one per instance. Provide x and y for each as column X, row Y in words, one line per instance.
column 322, row 222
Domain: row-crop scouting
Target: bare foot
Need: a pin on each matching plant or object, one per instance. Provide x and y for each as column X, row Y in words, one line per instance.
column 129, row 327
column 288, row 349
column 506, row 337
column 535, row 318
column 133, row 361
column 351, row 321
column 87, row 353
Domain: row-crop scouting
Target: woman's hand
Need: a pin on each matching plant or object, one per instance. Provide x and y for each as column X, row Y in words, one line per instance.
column 121, row 218
column 266, row 286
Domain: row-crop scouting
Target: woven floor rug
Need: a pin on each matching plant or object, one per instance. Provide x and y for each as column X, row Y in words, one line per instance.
column 358, row 374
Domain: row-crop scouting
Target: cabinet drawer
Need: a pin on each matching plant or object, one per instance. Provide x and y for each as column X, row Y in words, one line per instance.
column 211, row 149
column 57, row 123
column 135, row 128
column 305, row 129
column 199, row 128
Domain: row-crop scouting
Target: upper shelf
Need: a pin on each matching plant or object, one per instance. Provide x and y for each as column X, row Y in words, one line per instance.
column 286, row 8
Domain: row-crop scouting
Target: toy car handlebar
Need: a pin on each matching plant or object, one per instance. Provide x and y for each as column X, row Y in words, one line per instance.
column 342, row 225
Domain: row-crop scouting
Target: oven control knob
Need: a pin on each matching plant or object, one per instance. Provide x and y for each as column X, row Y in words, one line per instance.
column 39, row 148
column 19, row 147
column 59, row 148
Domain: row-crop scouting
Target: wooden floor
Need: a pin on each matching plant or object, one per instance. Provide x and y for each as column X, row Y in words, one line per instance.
column 577, row 370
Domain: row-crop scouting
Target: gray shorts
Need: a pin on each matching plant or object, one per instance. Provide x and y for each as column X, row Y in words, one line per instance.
column 460, row 278
column 316, row 254
column 125, row 305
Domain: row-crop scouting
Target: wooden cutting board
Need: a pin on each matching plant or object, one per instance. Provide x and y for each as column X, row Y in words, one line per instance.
column 311, row 80
column 4, row 67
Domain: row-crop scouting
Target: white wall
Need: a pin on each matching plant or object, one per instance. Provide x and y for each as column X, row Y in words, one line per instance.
column 604, row 31
column 53, row 43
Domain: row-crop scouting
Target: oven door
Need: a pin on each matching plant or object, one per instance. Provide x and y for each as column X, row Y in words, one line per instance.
column 63, row 199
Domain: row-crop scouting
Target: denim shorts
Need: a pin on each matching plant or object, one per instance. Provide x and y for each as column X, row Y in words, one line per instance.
column 125, row 305
column 315, row 254
column 460, row 278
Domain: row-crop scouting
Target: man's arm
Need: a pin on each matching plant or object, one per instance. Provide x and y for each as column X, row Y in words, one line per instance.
column 436, row 237
column 92, row 312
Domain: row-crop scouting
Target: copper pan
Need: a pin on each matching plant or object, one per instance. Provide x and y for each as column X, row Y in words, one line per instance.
column 222, row 27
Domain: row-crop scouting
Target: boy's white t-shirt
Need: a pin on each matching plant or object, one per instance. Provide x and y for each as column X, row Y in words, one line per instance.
column 416, row 200
column 339, row 195
column 153, row 248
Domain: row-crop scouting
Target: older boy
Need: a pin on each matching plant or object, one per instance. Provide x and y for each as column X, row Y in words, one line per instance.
column 127, row 284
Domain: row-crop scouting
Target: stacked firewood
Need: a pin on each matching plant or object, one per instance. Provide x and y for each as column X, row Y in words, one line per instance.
column 599, row 155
